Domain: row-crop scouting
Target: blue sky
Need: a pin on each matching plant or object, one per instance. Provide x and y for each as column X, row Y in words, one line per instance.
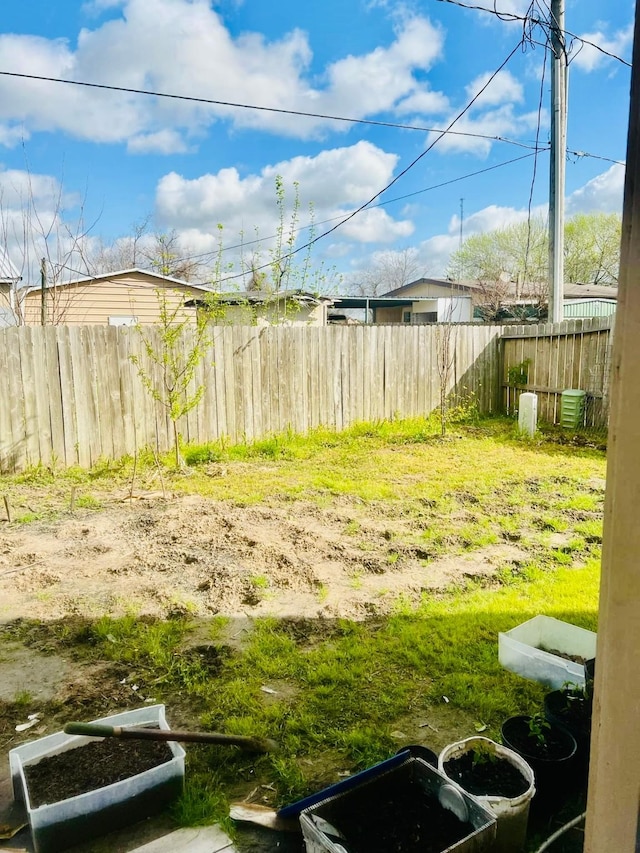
column 193, row 166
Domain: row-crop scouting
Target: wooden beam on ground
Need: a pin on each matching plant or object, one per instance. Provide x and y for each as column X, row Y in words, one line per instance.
column 204, row 839
column 614, row 778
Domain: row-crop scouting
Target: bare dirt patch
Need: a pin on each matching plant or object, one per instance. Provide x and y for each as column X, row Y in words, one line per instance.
column 204, row 557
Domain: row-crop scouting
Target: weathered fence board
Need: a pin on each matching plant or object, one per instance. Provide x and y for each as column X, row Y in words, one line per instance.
column 72, row 395
column 557, row 357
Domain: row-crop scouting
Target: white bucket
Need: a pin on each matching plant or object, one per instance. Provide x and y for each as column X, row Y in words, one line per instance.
column 512, row 813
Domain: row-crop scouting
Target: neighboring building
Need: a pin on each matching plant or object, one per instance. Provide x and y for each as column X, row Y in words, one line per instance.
column 122, row 298
column 435, row 300
column 9, row 278
column 589, row 300
column 427, row 300
column 258, row 308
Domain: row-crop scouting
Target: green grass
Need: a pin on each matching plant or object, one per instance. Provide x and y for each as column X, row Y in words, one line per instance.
column 350, row 685
column 343, row 688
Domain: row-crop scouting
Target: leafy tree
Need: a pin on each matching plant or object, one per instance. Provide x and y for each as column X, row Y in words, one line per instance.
column 592, row 248
column 592, row 252
column 178, row 342
column 169, row 346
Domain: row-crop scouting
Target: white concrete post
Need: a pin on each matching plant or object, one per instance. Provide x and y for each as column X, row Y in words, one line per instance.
column 528, row 413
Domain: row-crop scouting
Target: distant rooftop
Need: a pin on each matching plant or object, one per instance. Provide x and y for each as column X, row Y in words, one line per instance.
column 261, row 297
column 522, row 290
column 8, row 272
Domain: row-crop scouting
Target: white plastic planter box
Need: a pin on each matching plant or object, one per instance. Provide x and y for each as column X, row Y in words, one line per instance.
column 57, row 826
column 521, row 650
column 434, row 784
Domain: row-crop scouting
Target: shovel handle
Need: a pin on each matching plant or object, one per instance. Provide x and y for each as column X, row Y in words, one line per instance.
column 251, row 744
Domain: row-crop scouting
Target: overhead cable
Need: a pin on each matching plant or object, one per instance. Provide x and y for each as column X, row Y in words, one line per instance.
column 258, row 108
column 512, row 16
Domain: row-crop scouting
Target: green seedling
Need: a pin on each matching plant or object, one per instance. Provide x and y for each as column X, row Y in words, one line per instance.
column 538, row 729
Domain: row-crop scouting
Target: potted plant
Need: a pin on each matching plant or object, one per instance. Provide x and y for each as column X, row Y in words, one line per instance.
column 547, row 748
column 570, row 709
column 500, row 779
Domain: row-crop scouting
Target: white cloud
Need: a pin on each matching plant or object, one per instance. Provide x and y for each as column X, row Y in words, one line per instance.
column 493, row 113
column 588, row 58
column 502, row 121
column 12, row 135
column 336, row 181
column 376, row 226
column 437, row 250
column 423, row 102
column 132, row 49
column 162, row 142
column 601, row 194
column 504, row 88
column 96, row 7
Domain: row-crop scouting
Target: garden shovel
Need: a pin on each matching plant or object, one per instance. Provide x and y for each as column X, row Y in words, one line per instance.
column 250, row 744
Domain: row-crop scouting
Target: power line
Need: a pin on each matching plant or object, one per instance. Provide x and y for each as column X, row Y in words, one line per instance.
column 258, row 108
column 449, row 182
column 535, row 168
column 512, row 16
column 373, row 206
column 398, row 176
column 391, row 183
column 596, row 157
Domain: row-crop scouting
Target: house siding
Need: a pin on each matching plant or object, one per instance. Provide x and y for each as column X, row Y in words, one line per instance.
column 589, row 308
column 270, row 315
column 94, row 302
column 390, row 315
column 7, row 316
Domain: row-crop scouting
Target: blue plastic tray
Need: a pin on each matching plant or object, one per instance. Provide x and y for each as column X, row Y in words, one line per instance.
column 294, row 809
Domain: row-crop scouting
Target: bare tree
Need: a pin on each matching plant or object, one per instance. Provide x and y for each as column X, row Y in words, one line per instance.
column 46, row 247
column 125, row 252
column 388, row 271
column 167, row 256
column 446, row 335
column 163, row 253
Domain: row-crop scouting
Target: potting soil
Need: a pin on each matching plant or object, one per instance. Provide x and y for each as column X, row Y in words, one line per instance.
column 487, row 776
column 563, row 655
column 403, row 818
column 94, row 765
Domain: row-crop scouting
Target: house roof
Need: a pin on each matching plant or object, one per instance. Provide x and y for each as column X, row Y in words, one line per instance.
column 8, row 272
column 590, row 291
column 109, row 276
column 437, row 282
column 571, row 291
column 260, row 297
column 386, row 301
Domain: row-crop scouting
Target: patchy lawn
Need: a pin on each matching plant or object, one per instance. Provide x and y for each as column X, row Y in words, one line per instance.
column 339, row 593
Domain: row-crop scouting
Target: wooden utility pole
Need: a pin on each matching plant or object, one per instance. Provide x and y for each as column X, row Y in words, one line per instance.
column 43, row 292
column 557, row 165
column 614, row 775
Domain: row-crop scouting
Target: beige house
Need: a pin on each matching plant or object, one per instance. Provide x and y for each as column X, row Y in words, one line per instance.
column 9, row 278
column 122, row 298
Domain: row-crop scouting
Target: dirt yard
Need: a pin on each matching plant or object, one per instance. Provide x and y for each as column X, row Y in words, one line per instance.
column 203, row 557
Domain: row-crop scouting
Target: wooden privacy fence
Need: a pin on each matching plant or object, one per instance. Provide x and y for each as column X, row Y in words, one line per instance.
column 71, row 395
column 556, row 357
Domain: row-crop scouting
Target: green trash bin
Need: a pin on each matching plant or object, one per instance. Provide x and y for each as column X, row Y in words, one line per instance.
column 572, row 408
